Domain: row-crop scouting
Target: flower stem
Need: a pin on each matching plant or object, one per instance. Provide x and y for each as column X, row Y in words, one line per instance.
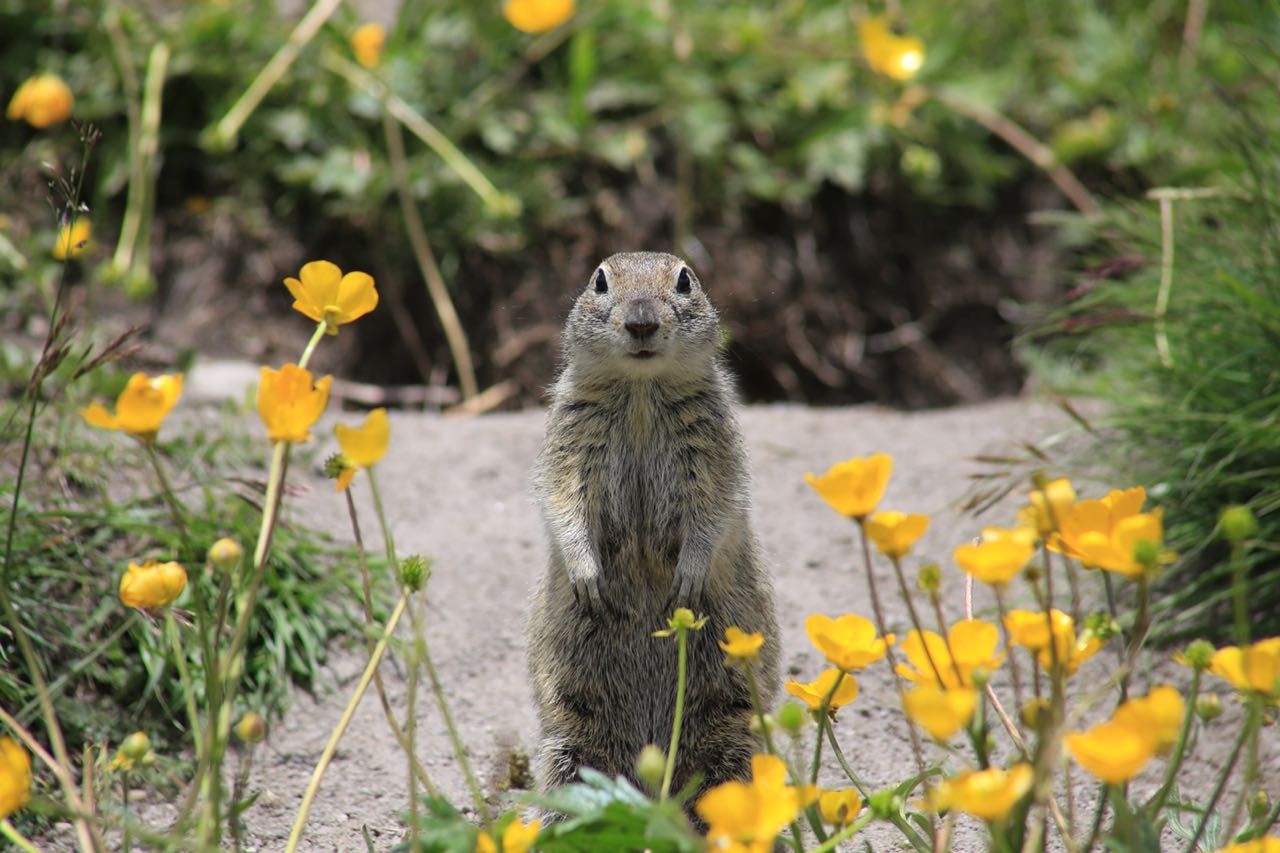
column 915, row 622
column 1240, row 592
column 1157, row 801
column 845, row 834
column 316, row 337
column 411, row 731
column 184, row 678
column 907, row 830
column 126, row 840
column 682, row 640
column 1014, row 671
column 1251, row 723
column 459, row 749
column 166, row 489
column 17, row 838
column 331, row 747
column 759, row 709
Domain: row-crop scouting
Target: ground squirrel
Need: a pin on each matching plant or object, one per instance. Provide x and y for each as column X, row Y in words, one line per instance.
column 643, row 488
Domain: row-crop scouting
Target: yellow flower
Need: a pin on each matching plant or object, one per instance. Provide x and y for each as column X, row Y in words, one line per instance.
column 327, row 296
column 289, row 404
column 888, row 53
column 987, row 794
column 15, row 776
column 854, row 487
column 1099, row 515
column 1030, row 629
column 849, row 642
column 141, row 406
column 1022, row 534
column 970, row 645
column 1270, row 844
column 740, row 646
column 536, row 16
column 366, row 43
column 893, row 532
column 1114, row 549
column 363, row 446
column 995, row 562
column 152, row 584
column 813, row 693
column 940, row 712
column 518, row 837
column 745, row 816
column 1254, row 669
column 73, row 239
column 485, row 843
column 839, row 808
column 1048, row 506
column 41, row 100
column 1156, row 717
column 1111, row 751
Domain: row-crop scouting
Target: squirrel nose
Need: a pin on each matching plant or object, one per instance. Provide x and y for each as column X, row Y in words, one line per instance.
column 641, row 319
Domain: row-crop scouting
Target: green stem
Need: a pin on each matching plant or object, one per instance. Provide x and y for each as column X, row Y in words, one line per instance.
column 411, row 727
column 845, row 834
column 1233, row 755
column 184, row 678
column 1249, row 781
column 166, row 489
column 1240, row 593
column 304, row 810
column 228, row 128
column 759, row 709
column 1157, row 801
column 1014, row 669
column 17, row 838
column 681, row 665
column 915, row 622
column 126, row 839
column 459, row 749
column 907, row 830
column 316, row 337
column 388, row 542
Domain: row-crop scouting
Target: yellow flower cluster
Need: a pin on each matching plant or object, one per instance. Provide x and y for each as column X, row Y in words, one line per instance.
column 849, row 643
column 1030, row 630
column 1115, row 751
column 987, row 794
column 746, row 817
column 518, row 837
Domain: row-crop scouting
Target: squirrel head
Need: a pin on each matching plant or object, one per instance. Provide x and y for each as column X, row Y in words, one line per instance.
column 643, row 315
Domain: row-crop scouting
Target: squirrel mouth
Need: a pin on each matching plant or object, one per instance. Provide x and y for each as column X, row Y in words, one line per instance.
column 644, row 353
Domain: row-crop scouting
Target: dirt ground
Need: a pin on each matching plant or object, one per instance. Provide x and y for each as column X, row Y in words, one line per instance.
column 457, row 490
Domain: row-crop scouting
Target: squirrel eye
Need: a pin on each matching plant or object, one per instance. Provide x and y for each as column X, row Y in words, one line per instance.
column 602, row 283
column 683, row 284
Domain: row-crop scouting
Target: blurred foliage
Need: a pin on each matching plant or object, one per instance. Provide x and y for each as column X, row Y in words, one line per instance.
column 1193, row 388
column 732, row 109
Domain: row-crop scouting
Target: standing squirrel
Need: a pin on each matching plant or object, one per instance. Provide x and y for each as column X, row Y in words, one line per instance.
column 643, row 487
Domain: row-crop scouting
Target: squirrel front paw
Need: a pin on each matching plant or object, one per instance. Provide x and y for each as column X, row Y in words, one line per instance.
column 586, row 593
column 687, row 589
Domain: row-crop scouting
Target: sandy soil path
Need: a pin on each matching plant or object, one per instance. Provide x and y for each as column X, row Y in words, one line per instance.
column 457, row 490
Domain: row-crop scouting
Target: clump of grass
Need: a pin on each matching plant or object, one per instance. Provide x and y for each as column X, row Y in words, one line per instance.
column 1185, row 351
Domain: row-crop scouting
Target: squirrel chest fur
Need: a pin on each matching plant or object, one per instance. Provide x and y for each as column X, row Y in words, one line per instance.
column 643, row 488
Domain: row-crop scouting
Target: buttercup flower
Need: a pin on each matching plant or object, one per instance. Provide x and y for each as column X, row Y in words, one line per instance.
column 1022, row 534
column 152, row 584
column 1111, row 751
column 1253, row 669
column 1049, row 503
column 518, row 837
column 15, row 776
column 839, row 808
column 893, row 532
column 289, row 403
column 740, row 646
column 364, row 445
column 849, row 642
column 327, row 296
column 815, row 691
column 854, row 487
column 41, row 100
column 747, row 817
column 987, row 794
column 537, row 16
column 1030, row 629
column 1114, row 549
column 970, row 645
column 1097, row 516
column 1156, row 716
column 888, row 53
column 940, row 712
column 141, row 406
column 995, row 562
column 73, row 239
column 367, row 41
column 1270, row 844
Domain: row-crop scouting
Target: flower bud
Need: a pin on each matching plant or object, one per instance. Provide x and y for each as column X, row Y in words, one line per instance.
column 930, row 580
column 885, row 804
column 1101, row 625
column 136, row 746
column 1199, row 654
column 767, row 723
column 1237, row 523
column 335, row 465
column 682, row 620
column 251, row 728
column 226, row 554
column 651, row 764
column 1146, row 553
column 1035, row 714
column 792, row 718
column 414, row 572
column 1208, row 707
column 1259, row 805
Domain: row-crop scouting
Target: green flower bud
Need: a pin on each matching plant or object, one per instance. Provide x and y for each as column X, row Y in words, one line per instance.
column 1199, row 654
column 251, row 728
column 1036, row 714
column 1208, row 707
column 1147, row 553
column 792, row 718
column 414, row 572
column 885, row 803
column 1259, row 805
column 682, row 620
column 930, row 580
column 1101, row 625
column 762, row 724
column 226, row 554
column 651, row 763
column 1237, row 523
column 136, row 746
column 334, row 466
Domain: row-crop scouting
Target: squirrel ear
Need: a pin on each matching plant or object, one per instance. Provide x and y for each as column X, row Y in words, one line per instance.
column 683, row 282
column 602, row 283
